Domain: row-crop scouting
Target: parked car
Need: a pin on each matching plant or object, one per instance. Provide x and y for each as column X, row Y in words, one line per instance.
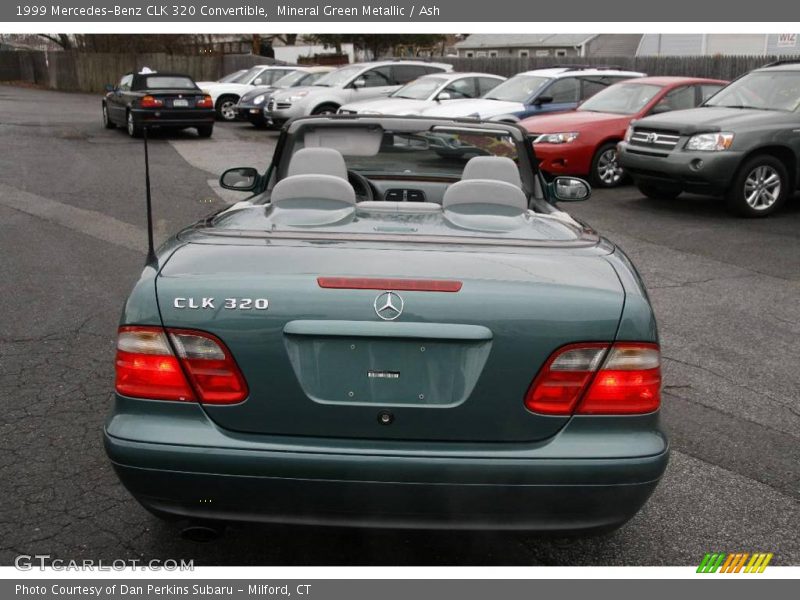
column 157, row 100
column 251, row 105
column 226, row 94
column 382, row 337
column 741, row 144
column 426, row 92
column 360, row 81
column 535, row 92
column 584, row 142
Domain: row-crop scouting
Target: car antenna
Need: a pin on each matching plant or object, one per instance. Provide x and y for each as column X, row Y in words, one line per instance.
column 151, row 254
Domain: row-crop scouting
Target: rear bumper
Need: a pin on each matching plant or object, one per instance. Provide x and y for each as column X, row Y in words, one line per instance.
column 562, row 484
column 700, row 172
column 173, row 118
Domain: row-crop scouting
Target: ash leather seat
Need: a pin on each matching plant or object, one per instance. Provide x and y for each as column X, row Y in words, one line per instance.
column 316, row 178
column 500, row 168
column 317, row 161
column 489, row 184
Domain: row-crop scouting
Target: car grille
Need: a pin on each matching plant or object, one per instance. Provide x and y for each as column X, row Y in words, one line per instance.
column 655, row 139
column 273, row 105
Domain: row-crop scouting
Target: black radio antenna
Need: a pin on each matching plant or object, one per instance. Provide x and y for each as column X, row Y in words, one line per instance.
column 151, row 253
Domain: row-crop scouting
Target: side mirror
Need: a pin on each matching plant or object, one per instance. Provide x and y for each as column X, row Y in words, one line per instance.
column 240, row 179
column 109, row 87
column 543, row 100
column 257, row 81
column 570, row 189
column 360, row 83
column 443, row 96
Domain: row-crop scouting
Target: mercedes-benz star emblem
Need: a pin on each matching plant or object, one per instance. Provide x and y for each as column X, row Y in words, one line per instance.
column 388, row 306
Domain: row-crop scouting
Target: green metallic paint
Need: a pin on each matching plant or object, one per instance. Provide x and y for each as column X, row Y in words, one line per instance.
column 549, row 298
column 483, row 461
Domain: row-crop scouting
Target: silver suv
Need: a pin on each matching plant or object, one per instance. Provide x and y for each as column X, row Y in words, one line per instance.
column 360, row 81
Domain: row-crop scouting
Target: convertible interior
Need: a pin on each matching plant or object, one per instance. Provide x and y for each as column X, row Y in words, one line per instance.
column 410, row 178
column 415, row 171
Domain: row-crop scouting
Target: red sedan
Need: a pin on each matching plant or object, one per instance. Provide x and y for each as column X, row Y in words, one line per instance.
column 583, row 142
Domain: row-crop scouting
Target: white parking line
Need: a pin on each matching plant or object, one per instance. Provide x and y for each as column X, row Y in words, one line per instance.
column 223, row 151
column 88, row 222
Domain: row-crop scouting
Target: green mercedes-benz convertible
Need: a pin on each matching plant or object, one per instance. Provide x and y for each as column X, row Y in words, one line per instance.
column 398, row 328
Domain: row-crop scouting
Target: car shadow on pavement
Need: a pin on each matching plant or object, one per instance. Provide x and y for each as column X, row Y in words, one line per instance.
column 248, row 544
column 711, row 207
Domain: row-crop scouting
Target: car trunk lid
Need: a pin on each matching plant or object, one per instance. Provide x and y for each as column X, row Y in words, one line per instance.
column 324, row 360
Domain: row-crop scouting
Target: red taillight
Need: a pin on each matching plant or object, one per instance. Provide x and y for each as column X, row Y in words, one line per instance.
column 374, row 283
column 573, row 380
column 199, row 368
column 205, row 102
column 628, row 383
column 150, row 102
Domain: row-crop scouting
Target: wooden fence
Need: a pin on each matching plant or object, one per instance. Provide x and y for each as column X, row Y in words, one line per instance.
column 87, row 72
column 716, row 67
column 90, row 72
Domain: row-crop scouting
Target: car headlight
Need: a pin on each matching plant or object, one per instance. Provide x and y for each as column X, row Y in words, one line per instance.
column 297, row 96
column 710, row 142
column 258, row 99
column 628, row 134
column 557, row 138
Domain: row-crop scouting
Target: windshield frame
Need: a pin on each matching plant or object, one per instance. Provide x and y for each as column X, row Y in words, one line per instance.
column 230, row 77
column 749, row 76
column 409, row 125
column 442, row 81
column 245, row 77
column 293, row 76
column 620, row 86
column 491, row 94
column 356, row 69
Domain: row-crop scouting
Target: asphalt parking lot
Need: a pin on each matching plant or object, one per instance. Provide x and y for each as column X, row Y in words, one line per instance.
column 726, row 293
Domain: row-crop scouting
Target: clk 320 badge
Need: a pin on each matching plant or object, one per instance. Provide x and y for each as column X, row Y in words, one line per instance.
column 226, row 303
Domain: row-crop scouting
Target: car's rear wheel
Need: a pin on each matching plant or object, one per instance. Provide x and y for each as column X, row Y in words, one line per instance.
column 205, row 131
column 606, row 171
column 134, row 130
column 759, row 188
column 226, row 108
column 325, row 109
column 107, row 122
column 659, row 191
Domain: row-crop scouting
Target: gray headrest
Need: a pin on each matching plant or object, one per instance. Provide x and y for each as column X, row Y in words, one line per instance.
column 312, row 191
column 318, row 161
column 486, row 192
column 500, row 168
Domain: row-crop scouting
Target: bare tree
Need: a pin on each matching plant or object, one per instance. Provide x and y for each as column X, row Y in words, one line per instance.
column 62, row 39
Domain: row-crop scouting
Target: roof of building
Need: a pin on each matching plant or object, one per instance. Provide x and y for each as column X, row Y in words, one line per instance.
column 524, row 40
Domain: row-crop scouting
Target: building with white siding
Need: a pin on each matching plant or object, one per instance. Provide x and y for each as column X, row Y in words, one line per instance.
column 557, row 45
column 710, row 44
